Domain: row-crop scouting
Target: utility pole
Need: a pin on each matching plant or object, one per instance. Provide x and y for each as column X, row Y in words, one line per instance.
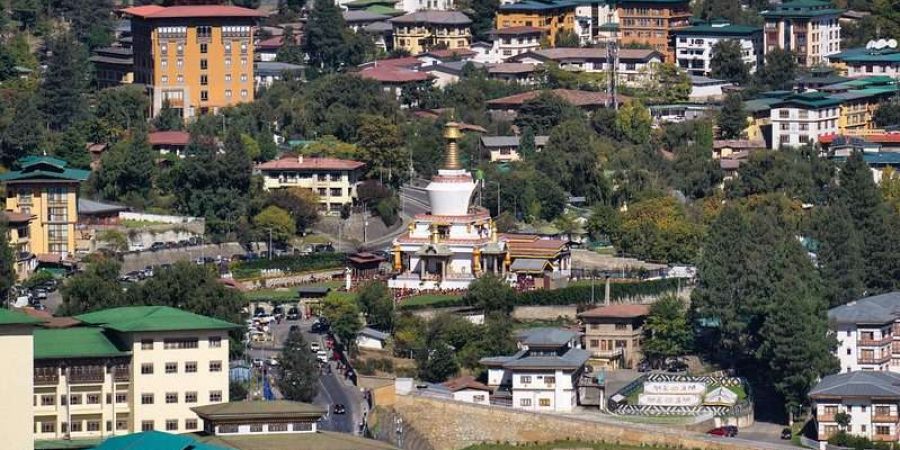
column 270, row 244
column 612, row 59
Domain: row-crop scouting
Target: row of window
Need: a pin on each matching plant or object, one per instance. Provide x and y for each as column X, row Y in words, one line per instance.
column 171, row 425
column 189, row 367
column 526, row 402
column 271, row 427
column 172, row 397
column 79, row 426
column 182, row 343
column 549, row 379
column 204, row 63
column 204, row 48
column 79, row 399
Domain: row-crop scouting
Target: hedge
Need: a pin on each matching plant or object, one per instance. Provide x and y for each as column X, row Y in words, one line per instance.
column 288, row 264
column 581, row 294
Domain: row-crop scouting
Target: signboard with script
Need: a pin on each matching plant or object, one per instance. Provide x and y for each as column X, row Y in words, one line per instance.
column 674, row 387
column 668, row 400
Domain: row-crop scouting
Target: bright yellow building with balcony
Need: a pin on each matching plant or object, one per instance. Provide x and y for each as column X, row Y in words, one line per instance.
column 46, row 189
column 196, row 58
column 552, row 17
column 422, row 31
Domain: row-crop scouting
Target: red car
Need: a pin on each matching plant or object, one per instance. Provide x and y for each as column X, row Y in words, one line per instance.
column 723, row 431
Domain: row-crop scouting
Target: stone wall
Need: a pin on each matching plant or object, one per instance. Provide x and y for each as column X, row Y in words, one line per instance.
column 449, row 425
column 545, row 312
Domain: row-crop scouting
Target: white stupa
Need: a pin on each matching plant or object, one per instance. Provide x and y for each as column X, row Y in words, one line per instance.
column 455, row 242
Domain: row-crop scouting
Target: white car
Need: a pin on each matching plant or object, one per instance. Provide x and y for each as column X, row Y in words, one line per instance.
column 322, row 355
column 315, row 347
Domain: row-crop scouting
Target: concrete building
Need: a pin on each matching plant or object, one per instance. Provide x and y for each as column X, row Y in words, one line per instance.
column 113, row 66
column 333, row 180
column 267, row 73
column 862, row 62
column 652, row 22
column 800, row 119
column 467, row 389
column 871, row 399
column 17, row 234
column 129, row 369
column 47, row 189
column 636, row 66
column 359, row 19
column 196, row 58
column 613, row 334
column 543, row 375
column 16, row 383
column 809, row 28
column 866, row 330
column 259, row 417
column 551, row 16
column 506, row 148
column 694, row 45
column 512, row 41
column 422, row 31
column 371, row 339
column 411, row 6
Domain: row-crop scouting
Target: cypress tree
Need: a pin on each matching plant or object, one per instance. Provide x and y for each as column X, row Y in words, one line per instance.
column 65, row 83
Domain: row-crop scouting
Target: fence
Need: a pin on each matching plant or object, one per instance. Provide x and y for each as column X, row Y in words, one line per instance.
column 160, row 218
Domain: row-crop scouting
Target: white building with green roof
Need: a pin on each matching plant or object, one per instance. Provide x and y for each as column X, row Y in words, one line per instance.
column 694, row 45
column 809, row 28
column 129, row 369
column 15, row 382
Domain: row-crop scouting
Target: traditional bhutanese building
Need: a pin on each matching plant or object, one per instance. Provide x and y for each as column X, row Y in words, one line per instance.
column 455, row 242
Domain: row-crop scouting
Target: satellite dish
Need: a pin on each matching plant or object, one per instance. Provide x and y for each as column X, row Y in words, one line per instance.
column 892, row 43
column 870, row 45
column 882, row 43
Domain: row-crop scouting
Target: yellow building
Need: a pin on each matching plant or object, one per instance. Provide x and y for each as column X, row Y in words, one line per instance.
column 17, row 234
column 16, row 344
column 333, row 180
column 125, row 370
column 422, row 31
column 47, row 189
column 195, row 58
column 552, row 17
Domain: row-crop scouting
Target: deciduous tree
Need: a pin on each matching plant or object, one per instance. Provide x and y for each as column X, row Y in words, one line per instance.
column 298, row 379
column 727, row 62
column 732, row 119
column 667, row 332
column 275, row 222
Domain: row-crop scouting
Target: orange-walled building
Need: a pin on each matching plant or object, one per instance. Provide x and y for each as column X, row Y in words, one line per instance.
column 652, row 22
column 198, row 58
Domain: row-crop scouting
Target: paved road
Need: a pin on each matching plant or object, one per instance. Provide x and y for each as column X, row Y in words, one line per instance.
column 333, row 389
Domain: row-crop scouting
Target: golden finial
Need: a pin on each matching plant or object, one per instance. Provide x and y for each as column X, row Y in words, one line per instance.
column 452, row 134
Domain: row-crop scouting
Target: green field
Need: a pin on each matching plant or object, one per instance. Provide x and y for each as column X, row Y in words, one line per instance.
column 433, row 300
column 288, row 294
column 564, row 445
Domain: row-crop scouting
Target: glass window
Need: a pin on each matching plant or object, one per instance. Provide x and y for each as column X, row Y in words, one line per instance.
column 146, row 344
column 215, row 366
column 146, row 399
column 215, row 342
column 147, row 425
column 171, row 397
column 147, row 368
column 190, row 424
column 171, row 367
column 190, row 367
column 215, row 396
column 171, row 425
column 190, row 397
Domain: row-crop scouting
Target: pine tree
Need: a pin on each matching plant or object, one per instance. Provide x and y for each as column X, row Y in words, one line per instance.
column 65, row 83
column 526, row 144
column 168, row 118
column 437, row 363
column 727, row 62
column 732, row 118
column 298, row 380
column 327, row 40
column 839, row 255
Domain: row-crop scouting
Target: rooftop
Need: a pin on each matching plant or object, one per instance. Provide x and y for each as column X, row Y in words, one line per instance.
column 803, row 8
column 718, row 30
column 17, row 217
column 288, row 162
column 517, row 31
column 260, row 409
column 510, row 68
column 858, row 384
column 44, row 168
column 359, row 15
column 538, row 5
column 390, row 74
column 434, row 17
column 510, row 141
column 588, row 53
column 88, row 207
column 448, row 53
column 8, row 317
column 465, row 382
column 546, row 336
column 152, row 318
column 322, row 440
column 74, row 342
column 573, row 359
column 174, row 138
column 617, row 311
column 373, row 333
column 191, row 11
column 809, row 100
column 155, row 440
column 877, row 309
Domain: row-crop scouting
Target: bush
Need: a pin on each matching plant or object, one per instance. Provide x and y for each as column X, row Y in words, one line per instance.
column 581, row 294
column 843, row 439
column 288, row 264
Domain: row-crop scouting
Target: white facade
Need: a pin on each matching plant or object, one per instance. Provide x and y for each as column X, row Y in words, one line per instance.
column 507, row 45
column 866, row 347
column 795, row 126
column 363, row 341
column 584, row 20
column 812, row 32
column 477, row 396
column 542, row 391
column 632, row 70
column 16, row 386
column 412, row 6
column 694, row 52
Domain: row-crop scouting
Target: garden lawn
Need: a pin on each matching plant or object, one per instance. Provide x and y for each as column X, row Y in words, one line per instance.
column 430, row 300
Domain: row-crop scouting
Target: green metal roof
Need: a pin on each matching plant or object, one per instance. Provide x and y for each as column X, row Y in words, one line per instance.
column 385, row 10
column 810, row 100
column 65, row 444
column 538, row 5
column 357, row 4
column 720, row 30
column 803, row 8
column 44, row 167
column 76, row 342
column 862, row 54
column 8, row 317
column 155, row 440
column 153, row 318
column 760, row 104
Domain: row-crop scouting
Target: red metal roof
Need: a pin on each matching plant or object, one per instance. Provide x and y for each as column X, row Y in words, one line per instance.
column 178, row 138
column 392, row 74
column 618, row 311
column 407, row 62
column 179, row 12
column 518, row 31
column 272, row 43
column 450, row 53
column 465, row 382
column 309, row 163
column 879, row 138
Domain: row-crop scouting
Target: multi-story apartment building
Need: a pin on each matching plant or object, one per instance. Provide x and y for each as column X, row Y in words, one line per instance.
column 113, row 66
column 512, row 41
column 694, row 45
column 333, row 180
column 47, row 189
column 425, row 5
column 863, row 62
column 543, row 375
column 809, row 28
column 18, row 226
column 16, row 346
column 195, row 58
column 613, row 334
column 800, row 119
column 636, row 66
column 866, row 330
column 653, row 22
column 129, row 369
column 422, row 31
column 552, row 16
column 593, row 16
column 870, row 399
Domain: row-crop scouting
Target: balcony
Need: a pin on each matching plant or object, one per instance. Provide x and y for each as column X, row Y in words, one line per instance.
column 46, row 379
column 80, row 375
column 55, row 201
column 874, row 360
column 827, row 417
column 614, row 353
column 885, row 418
column 884, row 438
column 874, row 342
column 120, row 375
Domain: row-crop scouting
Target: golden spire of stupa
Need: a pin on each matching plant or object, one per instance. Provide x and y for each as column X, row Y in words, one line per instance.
column 452, row 134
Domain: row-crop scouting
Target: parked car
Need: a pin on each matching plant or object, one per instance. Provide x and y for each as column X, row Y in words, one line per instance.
column 721, row 431
column 322, row 355
column 339, row 409
column 157, row 246
column 315, row 347
column 319, row 327
column 293, row 314
column 731, row 429
column 643, row 366
column 676, row 366
column 786, row 433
